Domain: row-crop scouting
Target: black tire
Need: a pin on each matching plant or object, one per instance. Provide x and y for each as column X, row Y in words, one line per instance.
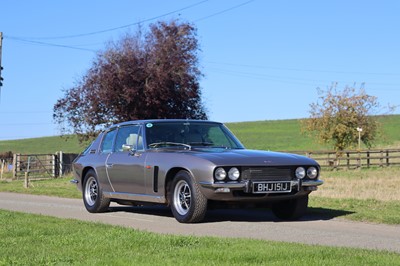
column 291, row 209
column 92, row 194
column 188, row 204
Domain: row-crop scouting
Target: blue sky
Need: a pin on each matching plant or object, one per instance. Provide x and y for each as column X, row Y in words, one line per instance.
column 262, row 60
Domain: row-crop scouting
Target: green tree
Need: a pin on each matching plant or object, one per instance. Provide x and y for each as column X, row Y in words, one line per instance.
column 337, row 114
column 147, row 75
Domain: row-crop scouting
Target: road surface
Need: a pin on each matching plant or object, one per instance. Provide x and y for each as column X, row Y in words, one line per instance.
column 242, row 223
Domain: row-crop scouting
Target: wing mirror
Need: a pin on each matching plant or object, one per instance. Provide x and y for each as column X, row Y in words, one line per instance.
column 130, row 148
column 126, row 147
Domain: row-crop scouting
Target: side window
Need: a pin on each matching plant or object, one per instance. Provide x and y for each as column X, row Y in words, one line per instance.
column 127, row 136
column 108, row 139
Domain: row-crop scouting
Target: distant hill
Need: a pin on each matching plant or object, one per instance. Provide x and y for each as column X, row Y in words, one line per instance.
column 279, row 135
column 45, row 145
column 285, row 135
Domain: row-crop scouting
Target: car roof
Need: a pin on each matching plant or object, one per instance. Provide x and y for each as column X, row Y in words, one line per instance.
column 160, row 121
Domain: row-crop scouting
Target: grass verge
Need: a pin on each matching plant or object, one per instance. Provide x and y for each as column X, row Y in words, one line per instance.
column 386, row 212
column 323, row 202
column 58, row 187
column 29, row 239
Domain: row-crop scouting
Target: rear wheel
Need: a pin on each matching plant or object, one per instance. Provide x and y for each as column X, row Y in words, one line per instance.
column 291, row 209
column 92, row 194
column 188, row 204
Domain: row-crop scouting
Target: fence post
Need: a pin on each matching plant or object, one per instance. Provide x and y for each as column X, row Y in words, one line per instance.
column 368, row 159
column 60, row 161
column 14, row 175
column 2, row 169
column 387, row 158
column 53, row 165
column 26, row 182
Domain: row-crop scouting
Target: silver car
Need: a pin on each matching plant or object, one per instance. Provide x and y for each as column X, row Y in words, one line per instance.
column 190, row 165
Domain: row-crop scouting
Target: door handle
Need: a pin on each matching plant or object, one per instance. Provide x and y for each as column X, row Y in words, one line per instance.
column 109, row 165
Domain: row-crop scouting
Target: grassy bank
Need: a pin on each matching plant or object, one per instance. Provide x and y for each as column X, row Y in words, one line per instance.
column 278, row 135
column 286, row 135
column 28, row 239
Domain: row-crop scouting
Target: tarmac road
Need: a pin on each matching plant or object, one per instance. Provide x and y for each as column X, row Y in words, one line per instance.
column 241, row 223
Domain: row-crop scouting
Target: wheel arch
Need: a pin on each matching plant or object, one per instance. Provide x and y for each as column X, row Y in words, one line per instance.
column 169, row 177
column 85, row 171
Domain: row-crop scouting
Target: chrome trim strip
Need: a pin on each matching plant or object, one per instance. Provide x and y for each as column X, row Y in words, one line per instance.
column 242, row 184
column 311, row 183
column 134, row 197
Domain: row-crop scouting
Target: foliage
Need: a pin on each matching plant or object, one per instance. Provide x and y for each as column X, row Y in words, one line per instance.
column 6, row 155
column 28, row 239
column 334, row 119
column 142, row 76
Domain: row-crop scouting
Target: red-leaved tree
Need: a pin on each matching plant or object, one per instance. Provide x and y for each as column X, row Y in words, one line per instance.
column 142, row 76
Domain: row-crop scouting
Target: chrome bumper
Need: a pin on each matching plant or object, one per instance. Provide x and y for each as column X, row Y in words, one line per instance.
column 246, row 185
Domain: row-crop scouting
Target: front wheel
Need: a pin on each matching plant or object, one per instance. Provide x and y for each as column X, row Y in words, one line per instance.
column 291, row 209
column 92, row 194
column 188, row 204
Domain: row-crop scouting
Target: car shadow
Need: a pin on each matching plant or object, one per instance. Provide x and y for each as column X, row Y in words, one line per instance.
column 266, row 215
column 236, row 214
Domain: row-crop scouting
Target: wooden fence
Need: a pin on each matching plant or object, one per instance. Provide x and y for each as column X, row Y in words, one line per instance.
column 58, row 164
column 354, row 159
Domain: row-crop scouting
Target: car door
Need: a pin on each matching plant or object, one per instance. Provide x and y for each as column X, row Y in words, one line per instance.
column 125, row 165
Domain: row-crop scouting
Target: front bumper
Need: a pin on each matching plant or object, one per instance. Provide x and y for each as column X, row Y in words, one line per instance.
column 246, row 185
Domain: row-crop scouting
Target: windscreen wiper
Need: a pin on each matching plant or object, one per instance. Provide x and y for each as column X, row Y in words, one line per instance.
column 169, row 144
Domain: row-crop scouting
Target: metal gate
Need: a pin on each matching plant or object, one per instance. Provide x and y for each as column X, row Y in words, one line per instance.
column 37, row 165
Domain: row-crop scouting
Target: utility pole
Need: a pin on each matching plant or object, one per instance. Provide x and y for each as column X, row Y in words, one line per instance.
column 1, row 67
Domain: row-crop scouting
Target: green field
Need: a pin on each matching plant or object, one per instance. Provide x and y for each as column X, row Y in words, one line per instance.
column 286, row 135
column 45, row 145
column 28, row 239
column 278, row 135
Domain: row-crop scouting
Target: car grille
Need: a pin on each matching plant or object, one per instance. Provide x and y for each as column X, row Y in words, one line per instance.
column 266, row 173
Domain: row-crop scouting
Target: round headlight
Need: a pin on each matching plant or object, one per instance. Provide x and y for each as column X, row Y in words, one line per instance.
column 234, row 174
column 312, row 172
column 220, row 174
column 300, row 172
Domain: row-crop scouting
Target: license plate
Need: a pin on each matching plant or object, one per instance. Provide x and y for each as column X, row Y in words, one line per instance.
column 272, row 187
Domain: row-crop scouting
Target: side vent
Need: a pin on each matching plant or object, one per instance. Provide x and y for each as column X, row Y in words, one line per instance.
column 155, row 181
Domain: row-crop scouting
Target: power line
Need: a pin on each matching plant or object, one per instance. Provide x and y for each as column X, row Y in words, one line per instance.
column 34, row 40
column 110, row 29
column 50, row 44
column 224, row 11
column 301, row 70
column 286, row 79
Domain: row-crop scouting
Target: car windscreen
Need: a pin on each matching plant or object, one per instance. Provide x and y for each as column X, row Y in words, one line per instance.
column 190, row 134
